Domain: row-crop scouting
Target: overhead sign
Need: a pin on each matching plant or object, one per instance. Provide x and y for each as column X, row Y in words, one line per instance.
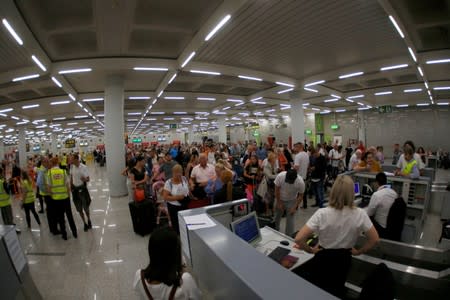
column 385, row 109
column 70, row 143
column 308, row 131
column 173, row 126
column 137, row 140
column 334, row 126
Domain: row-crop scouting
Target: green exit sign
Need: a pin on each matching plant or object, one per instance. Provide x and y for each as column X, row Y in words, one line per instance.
column 385, row 109
column 308, row 131
column 335, row 126
column 137, row 140
column 173, row 126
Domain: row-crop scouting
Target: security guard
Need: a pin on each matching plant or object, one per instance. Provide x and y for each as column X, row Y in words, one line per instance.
column 411, row 168
column 63, row 164
column 5, row 201
column 58, row 186
column 28, row 199
column 41, row 182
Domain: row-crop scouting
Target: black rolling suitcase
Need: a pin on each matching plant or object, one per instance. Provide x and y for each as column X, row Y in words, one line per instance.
column 143, row 217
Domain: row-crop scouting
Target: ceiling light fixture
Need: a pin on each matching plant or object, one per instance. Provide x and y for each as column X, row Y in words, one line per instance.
column 30, row 106
column 335, row 96
column 80, row 116
column 259, row 102
column 363, row 108
column 75, row 71
column 239, row 104
column 6, row 110
column 286, row 91
column 441, row 88
column 397, row 27
column 442, row 103
column 38, row 62
column 438, row 61
column 360, row 103
column 250, row 78
column 180, row 113
column 188, row 59
column 72, row 97
column 157, row 113
column 139, row 97
column 235, row 100
column 226, row 108
column 134, row 113
column 351, row 75
column 285, row 84
column 174, row 98
column 330, row 100
column 57, row 82
column 314, row 83
column 412, row 54
column 383, row 93
column 394, row 67
column 426, row 85
column 315, row 109
column 340, row 110
column 25, row 77
column 79, row 104
column 206, row 99
column 423, row 104
column 310, row 90
column 218, row 27
column 150, row 69
column 12, row 32
column 402, row 105
column 92, row 99
column 172, row 78
column 15, row 118
column 59, row 118
column 412, row 90
column 160, row 93
column 355, row 97
column 420, row 71
column 205, row 72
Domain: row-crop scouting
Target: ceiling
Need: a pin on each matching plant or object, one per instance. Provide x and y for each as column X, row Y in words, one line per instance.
column 293, row 42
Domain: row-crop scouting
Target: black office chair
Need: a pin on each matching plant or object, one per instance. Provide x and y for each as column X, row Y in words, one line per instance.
column 395, row 220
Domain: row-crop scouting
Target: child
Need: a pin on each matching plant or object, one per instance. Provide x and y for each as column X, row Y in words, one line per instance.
column 28, row 199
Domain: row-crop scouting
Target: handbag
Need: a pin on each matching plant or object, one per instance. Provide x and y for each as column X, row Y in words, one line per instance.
column 139, row 195
column 262, row 189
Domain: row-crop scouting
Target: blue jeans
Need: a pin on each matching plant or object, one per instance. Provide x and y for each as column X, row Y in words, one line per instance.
column 318, row 191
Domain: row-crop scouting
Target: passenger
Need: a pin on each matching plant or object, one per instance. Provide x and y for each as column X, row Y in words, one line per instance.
column 191, row 164
column 301, row 165
column 397, row 154
column 410, row 167
column 138, row 175
column 5, row 201
column 380, row 154
column 165, row 277
column 270, row 173
column 200, row 176
column 79, row 177
column 252, row 174
column 361, row 147
column 318, row 168
column 423, row 155
column 380, row 204
column 176, row 194
column 289, row 189
column 355, row 160
column 282, row 160
column 227, row 192
column 334, row 157
column 28, row 198
column 402, row 162
column 168, row 164
column 368, row 164
column 348, row 154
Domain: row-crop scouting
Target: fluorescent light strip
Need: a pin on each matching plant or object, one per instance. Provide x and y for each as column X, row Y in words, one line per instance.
column 12, row 32
column 412, row 90
column 26, row 77
column 205, row 72
column 226, row 108
column 335, row 96
column 206, row 99
column 438, row 61
column 157, row 113
column 59, row 118
column 172, row 78
column 412, row 54
column 79, row 104
column 259, row 102
column 139, row 98
column 314, row 83
column 250, row 78
column 383, row 93
column 92, row 99
column 180, row 113
column 402, row 105
column 75, row 71
column 423, row 104
column 38, row 62
column 441, row 88
column 15, row 118
column 420, row 71
column 235, row 100
column 310, row 90
column 315, row 109
column 174, row 98
column 426, row 84
column 363, row 108
column 340, row 110
column 285, row 84
column 218, row 27
column 351, row 75
column 355, row 97
column 330, row 100
column 80, row 116
column 72, row 97
column 30, row 106
column 360, row 103
column 397, row 27
column 285, row 91
column 160, row 93
column 57, row 82
column 394, row 67
column 239, row 104
column 6, row 110
column 150, row 69
column 188, row 59
column 442, row 103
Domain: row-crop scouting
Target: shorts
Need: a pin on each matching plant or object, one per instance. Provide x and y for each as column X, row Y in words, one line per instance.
column 81, row 199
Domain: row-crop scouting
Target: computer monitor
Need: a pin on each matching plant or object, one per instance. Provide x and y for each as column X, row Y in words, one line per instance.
column 357, row 190
column 247, row 228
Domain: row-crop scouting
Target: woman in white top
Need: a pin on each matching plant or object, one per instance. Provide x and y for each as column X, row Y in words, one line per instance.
column 176, row 193
column 340, row 224
column 164, row 278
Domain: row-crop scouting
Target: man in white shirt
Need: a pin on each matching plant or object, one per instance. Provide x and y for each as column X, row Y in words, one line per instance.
column 79, row 177
column 289, row 189
column 301, row 164
column 380, row 203
column 200, row 176
column 355, row 159
column 335, row 157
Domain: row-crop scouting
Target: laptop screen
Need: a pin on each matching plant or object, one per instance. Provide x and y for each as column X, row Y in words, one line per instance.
column 357, row 190
column 247, row 228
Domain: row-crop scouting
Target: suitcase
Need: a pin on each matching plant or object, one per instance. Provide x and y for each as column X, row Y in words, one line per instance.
column 143, row 217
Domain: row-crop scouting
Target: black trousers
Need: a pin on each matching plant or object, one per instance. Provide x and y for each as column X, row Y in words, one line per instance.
column 173, row 213
column 41, row 198
column 51, row 214
column 63, row 208
column 29, row 207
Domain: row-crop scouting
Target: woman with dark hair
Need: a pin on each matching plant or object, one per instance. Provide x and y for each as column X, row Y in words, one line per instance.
column 165, row 278
column 422, row 154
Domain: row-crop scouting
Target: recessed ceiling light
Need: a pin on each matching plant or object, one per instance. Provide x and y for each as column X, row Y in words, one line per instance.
column 172, row 78
column 57, row 82
column 363, row 108
column 139, row 97
column 206, row 99
column 239, row 104
column 59, row 118
column 402, row 105
column 25, row 77
column 438, row 61
column 285, row 84
column 383, row 93
column 38, row 62
column 92, row 99
column 397, row 27
column 250, row 78
column 30, row 106
column 235, row 100
column 150, row 69
column 394, row 67
column 351, row 75
column 314, row 83
column 420, row 71
column 442, row 103
column 330, row 100
column 360, row 103
column 6, row 110
column 72, row 97
column 310, row 90
column 411, row 52
column 205, row 72
column 340, row 110
column 75, row 71
column 412, row 90
column 226, row 108
column 12, row 32
column 188, row 59
column 286, row 91
column 72, row 123
column 157, row 113
column 134, row 113
column 168, row 119
column 179, row 113
column 335, row 96
column 441, row 88
column 174, row 98
column 217, row 27
column 423, row 104
column 60, row 102
column 355, row 96
column 80, row 116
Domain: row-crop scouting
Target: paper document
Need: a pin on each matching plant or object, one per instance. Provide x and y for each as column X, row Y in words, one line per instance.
column 198, row 221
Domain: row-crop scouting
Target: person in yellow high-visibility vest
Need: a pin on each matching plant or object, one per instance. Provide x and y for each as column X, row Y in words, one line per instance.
column 59, row 187
column 63, row 163
column 5, row 201
column 28, row 198
column 41, row 182
column 411, row 167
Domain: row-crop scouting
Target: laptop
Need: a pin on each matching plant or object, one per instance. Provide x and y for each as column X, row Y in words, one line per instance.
column 247, row 228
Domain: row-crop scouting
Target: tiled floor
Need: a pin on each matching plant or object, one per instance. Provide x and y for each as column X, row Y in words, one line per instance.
column 101, row 263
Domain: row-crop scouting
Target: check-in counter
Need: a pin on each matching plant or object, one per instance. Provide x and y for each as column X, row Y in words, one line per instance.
column 229, row 268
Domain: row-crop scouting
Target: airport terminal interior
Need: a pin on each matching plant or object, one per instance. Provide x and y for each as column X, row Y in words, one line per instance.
column 256, row 149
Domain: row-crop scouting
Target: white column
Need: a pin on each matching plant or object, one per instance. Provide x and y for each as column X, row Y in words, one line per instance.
column 114, row 132
column 54, row 144
column 222, row 131
column 22, row 148
column 297, row 119
column 191, row 134
column 361, row 127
